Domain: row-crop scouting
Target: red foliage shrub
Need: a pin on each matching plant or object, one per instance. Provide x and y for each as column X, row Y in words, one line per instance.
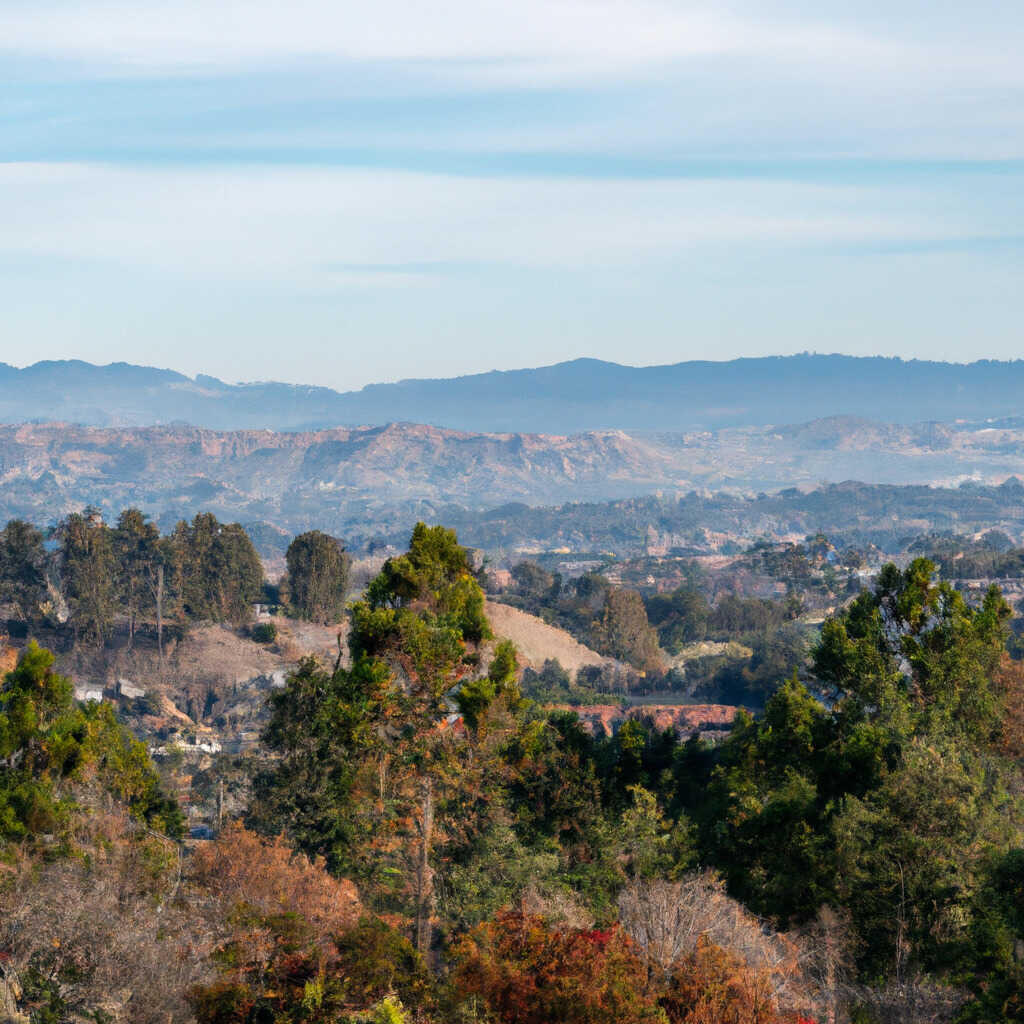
column 528, row 973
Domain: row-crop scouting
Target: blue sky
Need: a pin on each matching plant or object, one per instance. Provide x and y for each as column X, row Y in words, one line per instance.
column 340, row 193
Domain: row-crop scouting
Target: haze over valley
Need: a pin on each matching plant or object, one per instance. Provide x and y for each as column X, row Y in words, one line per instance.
column 371, row 483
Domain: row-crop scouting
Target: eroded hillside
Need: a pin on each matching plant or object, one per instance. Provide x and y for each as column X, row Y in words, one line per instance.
column 366, row 481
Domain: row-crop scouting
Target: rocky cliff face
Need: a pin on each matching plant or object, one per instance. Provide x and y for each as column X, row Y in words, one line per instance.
column 365, row 481
column 297, row 479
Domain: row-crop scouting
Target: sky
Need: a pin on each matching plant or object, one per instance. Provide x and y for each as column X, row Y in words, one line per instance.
column 339, row 193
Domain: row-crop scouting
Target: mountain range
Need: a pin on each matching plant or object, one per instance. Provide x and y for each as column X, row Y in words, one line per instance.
column 566, row 398
column 377, row 481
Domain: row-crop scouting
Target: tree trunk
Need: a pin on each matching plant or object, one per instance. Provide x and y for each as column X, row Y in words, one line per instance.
column 131, row 613
column 160, row 612
column 424, row 874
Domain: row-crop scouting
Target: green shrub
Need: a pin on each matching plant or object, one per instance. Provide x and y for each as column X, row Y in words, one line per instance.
column 264, row 632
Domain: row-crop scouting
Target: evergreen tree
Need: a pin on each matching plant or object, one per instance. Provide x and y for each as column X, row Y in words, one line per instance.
column 317, row 582
column 371, row 773
column 52, row 751
column 23, row 568
column 89, row 572
column 624, row 632
column 136, row 545
column 217, row 571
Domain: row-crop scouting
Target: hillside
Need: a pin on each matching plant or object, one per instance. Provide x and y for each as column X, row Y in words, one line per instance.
column 536, row 641
column 567, row 398
column 366, row 482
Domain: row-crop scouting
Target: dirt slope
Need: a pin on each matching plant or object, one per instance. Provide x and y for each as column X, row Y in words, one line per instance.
column 537, row 641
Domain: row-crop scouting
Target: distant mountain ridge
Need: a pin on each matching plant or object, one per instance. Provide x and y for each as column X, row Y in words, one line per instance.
column 369, row 481
column 566, row 398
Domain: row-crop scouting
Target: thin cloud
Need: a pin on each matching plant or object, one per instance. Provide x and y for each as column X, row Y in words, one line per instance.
column 288, row 224
column 491, row 40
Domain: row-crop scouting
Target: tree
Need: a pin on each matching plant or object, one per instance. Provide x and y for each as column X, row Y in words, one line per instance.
column 680, row 617
column 915, row 644
column 89, row 571
column 477, row 695
column 98, row 933
column 1008, row 683
column 318, row 569
column 434, row 572
column 912, row 851
column 272, row 969
column 651, row 846
column 23, row 568
column 219, row 574
column 269, row 875
column 531, row 581
column 712, row 985
column 625, row 633
column 995, row 947
column 526, row 972
column 136, row 544
column 670, row 921
column 322, row 728
column 765, row 819
column 52, row 751
column 372, row 775
column 887, row 802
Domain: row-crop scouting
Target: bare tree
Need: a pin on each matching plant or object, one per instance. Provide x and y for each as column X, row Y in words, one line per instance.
column 826, row 960
column 104, row 933
column 667, row 920
column 913, row 1001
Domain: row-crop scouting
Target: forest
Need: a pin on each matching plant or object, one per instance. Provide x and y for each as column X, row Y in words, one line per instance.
column 83, row 578
column 425, row 842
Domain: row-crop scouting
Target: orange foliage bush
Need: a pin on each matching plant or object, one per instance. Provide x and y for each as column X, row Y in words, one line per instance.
column 242, row 868
column 713, row 986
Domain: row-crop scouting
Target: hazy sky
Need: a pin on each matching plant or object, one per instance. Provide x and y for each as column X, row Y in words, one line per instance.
column 331, row 192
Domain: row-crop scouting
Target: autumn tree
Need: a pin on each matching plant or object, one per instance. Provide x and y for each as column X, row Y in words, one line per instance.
column 317, row 580
column 1008, row 684
column 525, row 972
column 711, row 985
column 268, row 875
column 670, row 920
column 100, row 931
column 89, row 860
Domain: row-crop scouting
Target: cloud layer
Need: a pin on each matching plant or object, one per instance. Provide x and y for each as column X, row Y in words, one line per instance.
column 388, row 186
